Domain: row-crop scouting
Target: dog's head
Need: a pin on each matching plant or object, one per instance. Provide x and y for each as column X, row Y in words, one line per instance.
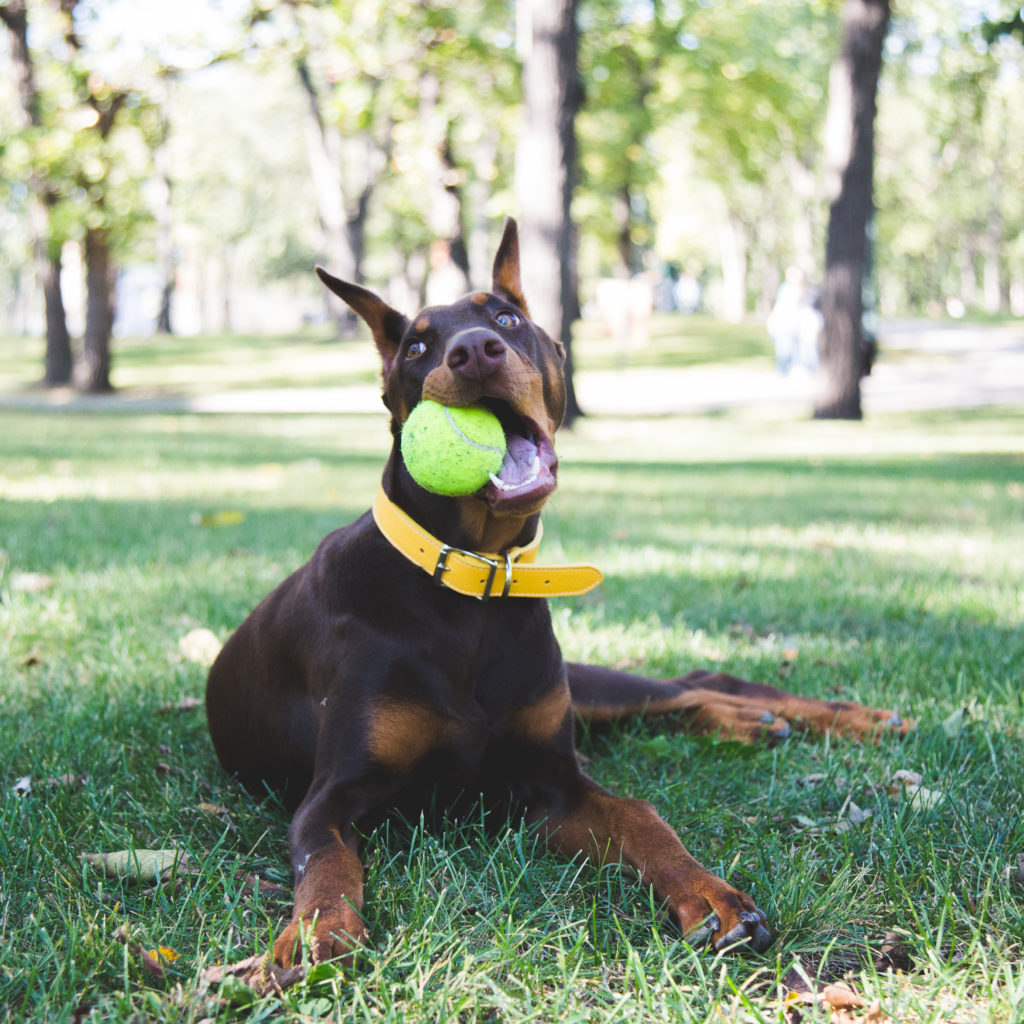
column 481, row 349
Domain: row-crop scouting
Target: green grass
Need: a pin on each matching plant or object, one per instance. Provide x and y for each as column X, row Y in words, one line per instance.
column 889, row 555
column 314, row 357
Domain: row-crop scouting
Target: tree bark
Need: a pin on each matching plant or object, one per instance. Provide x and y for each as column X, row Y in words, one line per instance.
column 444, row 195
column 850, row 153
column 164, row 208
column 546, row 170
column 323, row 146
column 341, row 209
column 93, row 373
column 57, row 361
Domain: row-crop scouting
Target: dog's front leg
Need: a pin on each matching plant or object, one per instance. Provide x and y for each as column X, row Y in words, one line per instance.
column 328, row 883
column 612, row 829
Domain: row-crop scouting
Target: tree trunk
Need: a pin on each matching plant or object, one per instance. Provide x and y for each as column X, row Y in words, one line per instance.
column 57, row 361
column 449, row 276
column 323, row 147
column 546, row 169
column 850, row 153
column 93, row 373
column 164, row 208
column 483, row 157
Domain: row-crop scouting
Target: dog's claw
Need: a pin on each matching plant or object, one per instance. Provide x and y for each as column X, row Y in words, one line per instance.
column 767, row 717
column 894, row 720
column 701, row 935
column 750, row 929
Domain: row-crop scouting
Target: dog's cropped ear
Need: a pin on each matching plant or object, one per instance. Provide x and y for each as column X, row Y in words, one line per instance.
column 506, row 267
column 387, row 324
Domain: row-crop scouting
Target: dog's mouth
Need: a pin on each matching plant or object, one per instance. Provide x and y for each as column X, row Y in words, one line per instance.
column 527, row 474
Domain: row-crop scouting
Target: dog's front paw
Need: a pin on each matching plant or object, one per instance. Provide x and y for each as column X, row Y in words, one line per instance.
column 723, row 918
column 328, row 937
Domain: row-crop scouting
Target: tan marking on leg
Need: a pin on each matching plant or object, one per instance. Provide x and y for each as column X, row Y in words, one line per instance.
column 400, row 734
column 328, row 901
column 541, row 720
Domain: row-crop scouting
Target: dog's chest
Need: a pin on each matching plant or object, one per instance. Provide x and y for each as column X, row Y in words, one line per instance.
column 457, row 715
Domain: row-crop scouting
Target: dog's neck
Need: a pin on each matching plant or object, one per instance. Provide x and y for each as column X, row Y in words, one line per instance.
column 473, row 527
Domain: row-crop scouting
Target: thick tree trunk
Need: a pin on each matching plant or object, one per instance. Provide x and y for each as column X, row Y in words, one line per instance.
column 93, row 373
column 164, row 208
column 57, row 363
column 546, row 170
column 449, row 276
column 483, row 157
column 323, row 148
column 850, row 151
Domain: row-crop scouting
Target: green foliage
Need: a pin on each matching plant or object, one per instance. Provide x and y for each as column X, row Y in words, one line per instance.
column 90, row 151
column 694, row 115
column 949, row 149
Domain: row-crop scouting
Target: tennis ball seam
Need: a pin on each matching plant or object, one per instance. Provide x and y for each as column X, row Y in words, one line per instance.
column 468, row 440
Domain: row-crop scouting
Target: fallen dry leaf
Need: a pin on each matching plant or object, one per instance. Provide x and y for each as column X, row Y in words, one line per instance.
column 259, row 973
column 253, row 884
column 69, row 780
column 185, row 704
column 894, row 954
column 222, row 517
column 155, row 961
column 857, row 815
column 902, row 778
column 200, row 646
column 30, row 582
column 839, row 999
column 215, row 809
column 1015, row 872
column 811, row 780
column 137, row 865
column 909, row 782
column 840, row 996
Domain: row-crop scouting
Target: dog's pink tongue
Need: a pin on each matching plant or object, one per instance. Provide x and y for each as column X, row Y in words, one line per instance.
column 522, row 463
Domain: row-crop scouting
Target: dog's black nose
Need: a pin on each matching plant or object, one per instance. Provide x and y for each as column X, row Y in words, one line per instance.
column 476, row 354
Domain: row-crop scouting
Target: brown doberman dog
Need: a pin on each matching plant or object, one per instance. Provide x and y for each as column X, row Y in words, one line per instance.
column 371, row 680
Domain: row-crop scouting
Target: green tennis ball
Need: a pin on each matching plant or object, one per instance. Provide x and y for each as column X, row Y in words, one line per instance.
column 452, row 450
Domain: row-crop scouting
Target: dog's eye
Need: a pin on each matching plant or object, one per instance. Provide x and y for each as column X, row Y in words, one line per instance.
column 415, row 350
column 507, row 319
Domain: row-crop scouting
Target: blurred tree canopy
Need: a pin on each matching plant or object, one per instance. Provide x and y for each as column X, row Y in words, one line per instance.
column 247, row 140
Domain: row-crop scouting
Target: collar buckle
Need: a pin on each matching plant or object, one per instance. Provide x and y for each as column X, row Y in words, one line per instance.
column 441, row 567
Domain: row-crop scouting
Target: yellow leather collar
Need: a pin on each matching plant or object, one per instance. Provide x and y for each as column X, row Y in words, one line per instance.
column 508, row 574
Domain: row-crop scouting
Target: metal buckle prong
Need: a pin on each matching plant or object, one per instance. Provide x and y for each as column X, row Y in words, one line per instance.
column 508, row 574
column 442, row 567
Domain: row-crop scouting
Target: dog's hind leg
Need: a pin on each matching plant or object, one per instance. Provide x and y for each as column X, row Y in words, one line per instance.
column 712, row 703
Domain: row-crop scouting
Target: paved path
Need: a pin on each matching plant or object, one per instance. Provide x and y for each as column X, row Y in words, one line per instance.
column 922, row 366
